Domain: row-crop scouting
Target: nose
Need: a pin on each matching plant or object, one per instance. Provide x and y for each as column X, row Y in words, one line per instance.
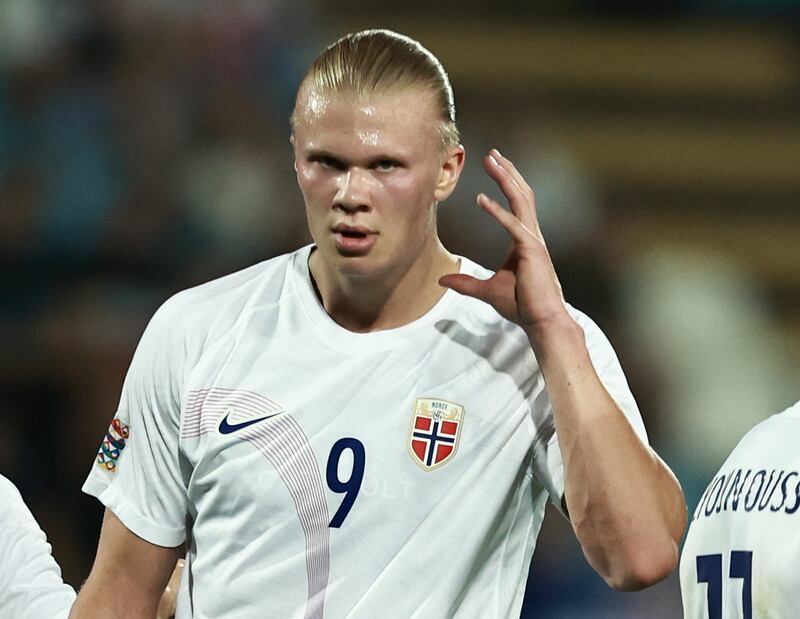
column 354, row 190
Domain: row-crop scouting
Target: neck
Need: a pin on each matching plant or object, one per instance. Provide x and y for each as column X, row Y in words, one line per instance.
column 379, row 302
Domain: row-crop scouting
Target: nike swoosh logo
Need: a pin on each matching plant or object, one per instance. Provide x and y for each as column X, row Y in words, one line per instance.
column 230, row 428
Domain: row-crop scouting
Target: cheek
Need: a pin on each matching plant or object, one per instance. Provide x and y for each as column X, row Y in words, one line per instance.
column 306, row 179
column 412, row 202
column 313, row 185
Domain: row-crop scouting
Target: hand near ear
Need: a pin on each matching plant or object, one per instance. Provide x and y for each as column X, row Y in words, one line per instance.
column 525, row 288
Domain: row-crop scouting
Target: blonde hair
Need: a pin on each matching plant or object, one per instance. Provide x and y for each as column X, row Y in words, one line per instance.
column 378, row 61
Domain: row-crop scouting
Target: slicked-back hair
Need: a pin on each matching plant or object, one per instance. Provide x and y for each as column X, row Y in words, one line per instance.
column 375, row 62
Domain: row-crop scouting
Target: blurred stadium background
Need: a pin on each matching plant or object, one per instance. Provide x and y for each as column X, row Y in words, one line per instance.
column 144, row 148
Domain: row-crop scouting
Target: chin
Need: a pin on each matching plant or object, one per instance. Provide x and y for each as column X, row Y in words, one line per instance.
column 357, row 266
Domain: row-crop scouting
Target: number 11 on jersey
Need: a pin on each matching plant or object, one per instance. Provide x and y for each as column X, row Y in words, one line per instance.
column 709, row 570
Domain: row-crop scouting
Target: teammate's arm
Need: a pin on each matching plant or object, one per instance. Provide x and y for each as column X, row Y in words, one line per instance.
column 128, row 577
column 625, row 505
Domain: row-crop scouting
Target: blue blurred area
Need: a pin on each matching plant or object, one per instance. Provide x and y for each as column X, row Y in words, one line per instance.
column 144, row 149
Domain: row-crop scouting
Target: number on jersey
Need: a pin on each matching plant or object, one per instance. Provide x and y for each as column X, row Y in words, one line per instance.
column 350, row 486
column 709, row 570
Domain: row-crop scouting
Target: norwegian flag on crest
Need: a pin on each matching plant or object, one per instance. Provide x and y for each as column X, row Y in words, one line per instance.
column 435, row 430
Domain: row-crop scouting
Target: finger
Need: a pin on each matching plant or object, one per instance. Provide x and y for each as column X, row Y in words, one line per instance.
column 466, row 285
column 511, row 224
column 509, row 166
column 516, row 190
column 175, row 579
column 168, row 602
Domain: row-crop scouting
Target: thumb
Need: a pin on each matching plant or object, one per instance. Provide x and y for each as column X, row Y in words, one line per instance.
column 466, row 285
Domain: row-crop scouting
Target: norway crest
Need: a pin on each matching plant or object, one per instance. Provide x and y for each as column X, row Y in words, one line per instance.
column 435, row 430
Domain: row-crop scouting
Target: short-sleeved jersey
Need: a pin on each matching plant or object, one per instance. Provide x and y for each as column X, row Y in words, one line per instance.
column 742, row 550
column 30, row 579
column 323, row 473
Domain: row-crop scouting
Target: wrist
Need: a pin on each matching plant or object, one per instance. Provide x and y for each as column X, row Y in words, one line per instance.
column 560, row 330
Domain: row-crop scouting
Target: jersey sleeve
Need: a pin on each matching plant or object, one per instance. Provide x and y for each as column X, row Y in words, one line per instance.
column 137, row 470
column 30, row 579
column 548, row 466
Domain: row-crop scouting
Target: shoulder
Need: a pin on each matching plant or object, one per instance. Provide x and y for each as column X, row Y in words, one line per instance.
column 30, row 577
column 783, row 426
column 216, row 305
column 12, row 506
column 260, row 283
column 14, row 513
column 16, row 520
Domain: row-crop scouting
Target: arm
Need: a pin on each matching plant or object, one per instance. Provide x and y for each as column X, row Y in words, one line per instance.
column 625, row 505
column 125, row 563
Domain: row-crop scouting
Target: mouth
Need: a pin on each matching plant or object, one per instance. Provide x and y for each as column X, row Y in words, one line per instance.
column 352, row 232
column 353, row 240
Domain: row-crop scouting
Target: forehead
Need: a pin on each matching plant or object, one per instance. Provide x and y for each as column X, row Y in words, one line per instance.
column 400, row 116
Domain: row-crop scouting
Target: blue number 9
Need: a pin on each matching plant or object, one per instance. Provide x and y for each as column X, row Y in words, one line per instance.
column 350, row 486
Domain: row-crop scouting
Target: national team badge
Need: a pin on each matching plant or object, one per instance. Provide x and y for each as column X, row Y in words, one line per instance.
column 435, row 430
column 112, row 446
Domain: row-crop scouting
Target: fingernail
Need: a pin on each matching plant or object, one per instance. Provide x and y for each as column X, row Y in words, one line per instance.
column 493, row 160
column 497, row 152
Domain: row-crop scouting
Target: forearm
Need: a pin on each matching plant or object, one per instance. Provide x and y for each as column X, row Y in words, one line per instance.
column 129, row 564
column 94, row 601
column 624, row 503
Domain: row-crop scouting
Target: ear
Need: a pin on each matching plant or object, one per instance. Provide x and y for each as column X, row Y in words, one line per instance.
column 449, row 173
column 293, row 142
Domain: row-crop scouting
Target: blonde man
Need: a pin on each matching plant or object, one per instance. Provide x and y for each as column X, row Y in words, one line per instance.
column 371, row 426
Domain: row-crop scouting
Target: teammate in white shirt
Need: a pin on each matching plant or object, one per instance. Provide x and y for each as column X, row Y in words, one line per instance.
column 338, row 432
column 30, row 579
column 740, row 557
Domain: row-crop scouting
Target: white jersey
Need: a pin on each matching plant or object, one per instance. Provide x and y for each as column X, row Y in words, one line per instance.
column 741, row 553
column 323, row 473
column 30, row 579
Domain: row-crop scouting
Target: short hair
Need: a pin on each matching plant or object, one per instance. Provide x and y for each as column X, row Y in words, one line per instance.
column 377, row 61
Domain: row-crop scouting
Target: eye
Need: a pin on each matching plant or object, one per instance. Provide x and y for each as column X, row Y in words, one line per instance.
column 385, row 165
column 327, row 162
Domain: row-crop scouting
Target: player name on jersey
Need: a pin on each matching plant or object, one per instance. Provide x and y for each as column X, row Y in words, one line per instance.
column 746, row 490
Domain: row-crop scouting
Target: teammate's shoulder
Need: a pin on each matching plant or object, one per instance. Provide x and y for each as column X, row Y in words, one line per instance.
column 787, row 422
column 7, row 487
column 779, row 429
column 11, row 501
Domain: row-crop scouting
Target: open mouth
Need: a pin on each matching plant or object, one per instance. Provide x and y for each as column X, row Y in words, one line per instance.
column 352, row 234
column 354, row 241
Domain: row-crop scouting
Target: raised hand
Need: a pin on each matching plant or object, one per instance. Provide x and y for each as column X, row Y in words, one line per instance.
column 525, row 288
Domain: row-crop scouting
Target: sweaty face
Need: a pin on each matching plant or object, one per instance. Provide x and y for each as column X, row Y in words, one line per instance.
column 370, row 170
